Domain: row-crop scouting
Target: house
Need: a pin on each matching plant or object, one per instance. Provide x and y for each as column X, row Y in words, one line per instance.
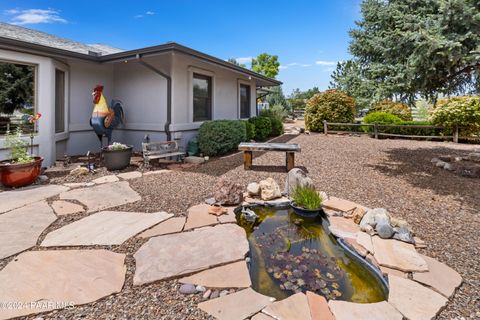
column 156, row 85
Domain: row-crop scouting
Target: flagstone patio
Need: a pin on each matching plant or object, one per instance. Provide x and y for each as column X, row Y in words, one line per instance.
column 200, row 249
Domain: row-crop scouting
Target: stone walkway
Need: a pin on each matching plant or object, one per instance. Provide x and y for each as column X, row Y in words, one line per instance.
column 206, row 252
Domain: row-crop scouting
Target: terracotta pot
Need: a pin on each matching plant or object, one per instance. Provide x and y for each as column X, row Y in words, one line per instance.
column 20, row 175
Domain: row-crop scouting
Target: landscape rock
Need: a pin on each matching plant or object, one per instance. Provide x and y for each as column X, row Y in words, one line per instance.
column 414, row 300
column 207, row 294
column 130, row 175
column 187, row 289
column 319, row 309
column 253, row 189
column 194, row 160
column 79, row 171
column 65, row 207
column 215, row 294
column 358, row 214
column 403, row 234
column 365, row 240
column 42, row 179
column 201, row 249
column 217, row 210
column 200, row 288
column 398, row 255
column 223, row 293
column 297, row 177
column 13, row 199
column 198, row 216
column 440, row 163
column 172, row 225
column 338, row 204
column 269, row 189
column 384, row 230
column 343, row 310
column 474, row 156
column 292, row 308
column 228, row 192
column 106, row 179
column 233, row 275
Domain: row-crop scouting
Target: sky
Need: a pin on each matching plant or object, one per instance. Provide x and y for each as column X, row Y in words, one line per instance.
column 308, row 36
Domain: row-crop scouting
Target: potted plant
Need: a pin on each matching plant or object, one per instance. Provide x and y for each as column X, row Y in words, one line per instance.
column 117, row 156
column 306, row 201
column 22, row 168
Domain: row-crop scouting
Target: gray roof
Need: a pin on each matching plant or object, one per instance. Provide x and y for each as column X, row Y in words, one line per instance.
column 45, row 39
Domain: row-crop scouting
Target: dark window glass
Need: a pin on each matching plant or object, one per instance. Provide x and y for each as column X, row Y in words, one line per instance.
column 244, row 101
column 59, row 101
column 202, row 97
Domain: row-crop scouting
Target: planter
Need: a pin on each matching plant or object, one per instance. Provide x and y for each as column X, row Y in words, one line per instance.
column 20, row 175
column 117, row 159
column 305, row 212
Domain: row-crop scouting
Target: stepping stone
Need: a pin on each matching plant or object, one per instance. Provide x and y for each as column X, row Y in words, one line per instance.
column 54, row 279
column 149, row 173
column 20, row 228
column 343, row 227
column 261, row 316
column 79, row 184
column 106, row 179
column 172, row 225
column 182, row 253
column 14, row 199
column 398, row 273
column 198, row 216
column 236, row 306
column 340, row 204
column 413, row 300
column 129, row 175
column 229, row 217
column 103, row 228
column 62, row 208
column 365, row 240
column 358, row 248
column 343, row 310
column 398, row 255
column 234, row 275
column 292, row 308
column 319, row 309
column 103, row 196
column 440, row 277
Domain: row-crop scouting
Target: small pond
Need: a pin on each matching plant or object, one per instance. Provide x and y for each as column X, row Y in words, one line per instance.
column 291, row 254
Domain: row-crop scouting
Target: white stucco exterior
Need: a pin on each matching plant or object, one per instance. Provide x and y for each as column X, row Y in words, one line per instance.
column 142, row 91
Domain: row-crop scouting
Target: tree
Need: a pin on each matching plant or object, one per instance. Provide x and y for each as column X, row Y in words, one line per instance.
column 235, row 62
column 298, row 98
column 277, row 97
column 16, row 86
column 410, row 47
column 266, row 64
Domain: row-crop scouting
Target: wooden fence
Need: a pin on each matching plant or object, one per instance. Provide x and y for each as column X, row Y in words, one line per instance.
column 377, row 130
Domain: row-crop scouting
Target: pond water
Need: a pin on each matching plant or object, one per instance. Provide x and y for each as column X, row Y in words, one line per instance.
column 291, row 254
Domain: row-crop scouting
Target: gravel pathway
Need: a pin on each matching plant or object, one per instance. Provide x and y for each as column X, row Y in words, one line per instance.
column 395, row 174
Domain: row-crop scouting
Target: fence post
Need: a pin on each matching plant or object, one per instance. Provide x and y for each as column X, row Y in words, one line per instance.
column 455, row 134
column 325, row 127
column 375, row 130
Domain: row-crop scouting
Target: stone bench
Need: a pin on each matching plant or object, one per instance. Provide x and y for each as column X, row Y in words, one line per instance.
column 249, row 147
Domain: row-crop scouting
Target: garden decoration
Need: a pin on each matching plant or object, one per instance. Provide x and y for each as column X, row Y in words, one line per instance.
column 33, row 119
column 104, row 118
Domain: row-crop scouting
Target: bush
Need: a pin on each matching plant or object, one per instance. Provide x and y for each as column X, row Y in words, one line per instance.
column 263, row 127
column 219, row 137
column 250, row 130
column 399, row 109
column 277, row 127
column 331, row 105
column 275, row 112
column 382, row 118
column 458, row 111
column 307, row 197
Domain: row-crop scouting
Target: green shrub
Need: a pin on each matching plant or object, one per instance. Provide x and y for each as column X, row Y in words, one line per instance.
column 219, row 137
column 276, row 112
column 458, row 111
column 382, row 118
column 263, row 127
column 18, row 147
column 399, row 109
column 307, row 197
column 250, row 130
column 277, row 127
column 331, row 105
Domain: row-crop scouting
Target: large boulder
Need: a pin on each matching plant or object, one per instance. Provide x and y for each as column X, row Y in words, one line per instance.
column 228, row 192
column 253, row 189
column 269, row 189
column 297, row 177
column 379, row 220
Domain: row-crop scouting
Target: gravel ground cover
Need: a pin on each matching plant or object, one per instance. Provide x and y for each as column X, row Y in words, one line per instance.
column 394, row 174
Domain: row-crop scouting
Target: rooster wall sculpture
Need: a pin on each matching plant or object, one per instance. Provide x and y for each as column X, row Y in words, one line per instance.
column 104, row 119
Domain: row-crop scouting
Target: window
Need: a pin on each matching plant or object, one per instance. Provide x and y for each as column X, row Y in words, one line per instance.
column 244, row 101
column 59, row 101
column 202, row 97
column 17, row 97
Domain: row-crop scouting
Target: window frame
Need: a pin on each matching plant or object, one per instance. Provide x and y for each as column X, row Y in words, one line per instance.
column 249, row 99
column 209, row 79
column 59, row 136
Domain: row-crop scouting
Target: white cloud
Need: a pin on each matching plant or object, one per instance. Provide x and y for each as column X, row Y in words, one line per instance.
column 34, row 16
column 325, row 63
column 244, row 60
column 294, row 64
column 147, row 13
column 150, row 13
column 282, row 67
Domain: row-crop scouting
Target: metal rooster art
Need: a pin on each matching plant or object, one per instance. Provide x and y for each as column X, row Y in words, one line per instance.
column 104, row 118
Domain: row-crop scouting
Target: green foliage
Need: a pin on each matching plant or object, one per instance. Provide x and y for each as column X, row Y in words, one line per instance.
column 235, row 62
column 458, row 111
column 399, row 109
column 277, row 98
column 250, row 127
column 263, row 127
column 18, row 147
column 266, row 64
column 307, row 197
column 381, row 117
column 16, row 86
column 410, row 47
column 219, row 137
column 276, row 114
column 414, row 131
column 297, row 100
column 331, row 105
